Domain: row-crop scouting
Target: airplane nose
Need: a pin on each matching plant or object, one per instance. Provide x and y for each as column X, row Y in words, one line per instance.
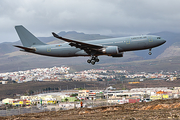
column 163, row 41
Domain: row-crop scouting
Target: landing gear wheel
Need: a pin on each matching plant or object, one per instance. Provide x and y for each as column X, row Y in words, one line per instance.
column 93, row 62
column 88, row 61
column 97, row 60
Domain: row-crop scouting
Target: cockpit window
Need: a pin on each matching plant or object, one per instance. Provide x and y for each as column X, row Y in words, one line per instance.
column 158, row 37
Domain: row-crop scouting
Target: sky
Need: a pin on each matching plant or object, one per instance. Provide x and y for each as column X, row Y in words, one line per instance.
column 105, row 17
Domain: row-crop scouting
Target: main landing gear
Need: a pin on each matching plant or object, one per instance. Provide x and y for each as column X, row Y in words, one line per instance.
column 150, row 53
column 93, row 60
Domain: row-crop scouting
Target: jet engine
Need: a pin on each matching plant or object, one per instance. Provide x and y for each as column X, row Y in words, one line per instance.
column 118, row 55
column 111, row 50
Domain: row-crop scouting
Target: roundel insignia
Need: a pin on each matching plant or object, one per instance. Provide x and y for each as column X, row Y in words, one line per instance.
column 48, row 49
column 150, row 40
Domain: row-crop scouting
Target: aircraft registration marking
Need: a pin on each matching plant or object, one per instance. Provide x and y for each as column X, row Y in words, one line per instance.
column 54, row 48
column 139, row 40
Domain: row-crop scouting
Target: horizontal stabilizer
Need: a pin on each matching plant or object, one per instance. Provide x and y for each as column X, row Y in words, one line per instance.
column 26, row 48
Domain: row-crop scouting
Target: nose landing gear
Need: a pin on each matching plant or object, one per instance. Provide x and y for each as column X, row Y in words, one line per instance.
column 150, row 53
column 93, row 60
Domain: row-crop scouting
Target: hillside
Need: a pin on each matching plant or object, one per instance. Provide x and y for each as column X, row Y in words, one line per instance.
column 171, row 38
column 7, row 47
column 154, row 65
column 13, row 60
column 23, row 61
column 172, row 51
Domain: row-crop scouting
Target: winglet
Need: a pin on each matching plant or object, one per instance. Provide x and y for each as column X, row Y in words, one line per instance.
column 55, row 35
column 59, row 37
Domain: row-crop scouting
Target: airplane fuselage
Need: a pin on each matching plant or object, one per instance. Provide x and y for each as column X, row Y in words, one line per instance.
column 124, row 44
column 114, row 47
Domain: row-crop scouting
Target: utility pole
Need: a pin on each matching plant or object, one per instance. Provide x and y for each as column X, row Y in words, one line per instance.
column 107, row 96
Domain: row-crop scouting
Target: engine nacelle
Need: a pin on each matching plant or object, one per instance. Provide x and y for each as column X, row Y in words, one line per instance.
column 111, row 50
column 118, row 55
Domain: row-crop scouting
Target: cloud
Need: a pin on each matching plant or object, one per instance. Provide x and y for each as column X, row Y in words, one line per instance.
column 120, row 17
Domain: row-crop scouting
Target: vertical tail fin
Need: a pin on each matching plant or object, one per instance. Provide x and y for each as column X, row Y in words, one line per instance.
column 27, row 38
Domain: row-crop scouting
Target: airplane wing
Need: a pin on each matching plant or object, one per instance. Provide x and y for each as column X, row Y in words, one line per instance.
column 82, row 45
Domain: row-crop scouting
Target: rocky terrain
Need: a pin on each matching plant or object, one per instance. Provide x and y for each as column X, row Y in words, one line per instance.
column 173, row 50
column 155, row 110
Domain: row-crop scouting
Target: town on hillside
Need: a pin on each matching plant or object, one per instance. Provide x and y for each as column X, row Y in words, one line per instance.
column 81, row 97
column 62, row 74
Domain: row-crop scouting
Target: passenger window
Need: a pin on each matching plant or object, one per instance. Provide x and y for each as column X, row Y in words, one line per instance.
column 158, row 37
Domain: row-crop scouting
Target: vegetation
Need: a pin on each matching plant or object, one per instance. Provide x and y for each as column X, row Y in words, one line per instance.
column 74, row 95
column 66, row 100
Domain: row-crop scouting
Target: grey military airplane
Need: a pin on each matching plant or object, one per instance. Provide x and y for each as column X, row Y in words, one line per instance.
column 114, row 47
